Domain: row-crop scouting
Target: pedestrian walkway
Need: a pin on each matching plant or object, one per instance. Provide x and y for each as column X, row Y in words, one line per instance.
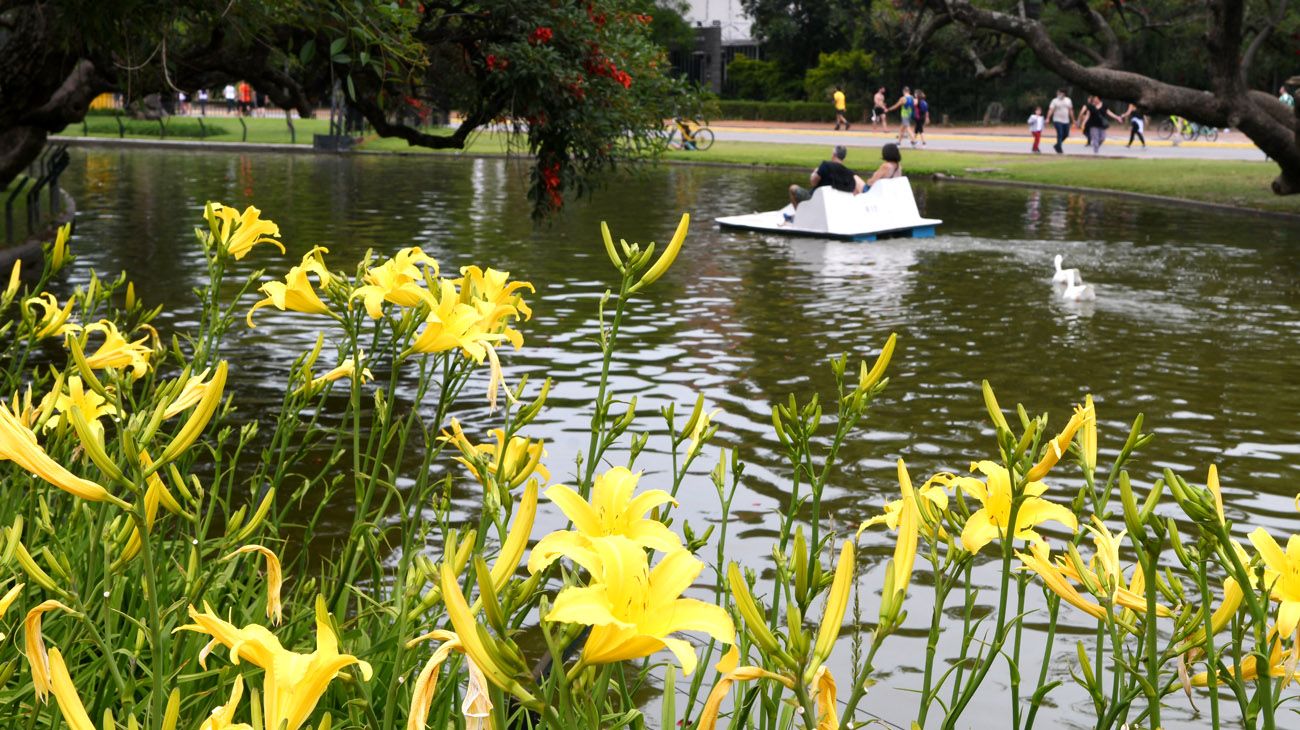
column 1004, row 139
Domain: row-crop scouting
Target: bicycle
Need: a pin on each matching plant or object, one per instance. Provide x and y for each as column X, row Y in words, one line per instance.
column 1188, row 130
column 701, row 138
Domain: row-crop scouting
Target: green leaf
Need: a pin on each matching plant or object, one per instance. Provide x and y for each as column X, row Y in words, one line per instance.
column 308, row 51
column 352, row 92
column 337, row 45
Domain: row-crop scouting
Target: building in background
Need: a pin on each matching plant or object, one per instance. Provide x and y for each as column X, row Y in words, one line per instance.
column 727, row 14
column 722, row 31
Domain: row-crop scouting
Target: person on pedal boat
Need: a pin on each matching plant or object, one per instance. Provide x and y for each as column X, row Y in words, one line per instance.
column 831, row 173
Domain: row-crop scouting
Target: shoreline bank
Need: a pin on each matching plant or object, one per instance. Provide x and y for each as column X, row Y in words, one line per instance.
column 984, row 175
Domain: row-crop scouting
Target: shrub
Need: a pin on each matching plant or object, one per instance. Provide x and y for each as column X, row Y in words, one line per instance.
column 853, row 71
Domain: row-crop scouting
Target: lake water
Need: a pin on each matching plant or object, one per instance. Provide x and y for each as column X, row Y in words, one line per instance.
column 1196, row 324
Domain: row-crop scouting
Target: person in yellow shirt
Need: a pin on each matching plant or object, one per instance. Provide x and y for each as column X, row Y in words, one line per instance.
column 840, row 108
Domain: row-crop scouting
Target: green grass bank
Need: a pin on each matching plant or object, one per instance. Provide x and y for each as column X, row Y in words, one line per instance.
column 1237, row 183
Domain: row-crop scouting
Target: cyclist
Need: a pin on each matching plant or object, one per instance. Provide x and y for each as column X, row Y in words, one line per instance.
column 688, row 134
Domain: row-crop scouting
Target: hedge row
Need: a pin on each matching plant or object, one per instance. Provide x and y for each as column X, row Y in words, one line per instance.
column 785, row 111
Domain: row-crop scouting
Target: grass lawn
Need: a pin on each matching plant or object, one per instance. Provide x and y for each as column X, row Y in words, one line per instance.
column 1229, row 182
column 266, row 130
column 1239, row 183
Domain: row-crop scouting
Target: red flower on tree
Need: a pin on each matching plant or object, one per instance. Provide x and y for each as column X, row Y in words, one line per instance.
column 541, row 35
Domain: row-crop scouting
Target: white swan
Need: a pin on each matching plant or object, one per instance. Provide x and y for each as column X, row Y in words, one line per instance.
column 1077, row 291
column 1062, row 276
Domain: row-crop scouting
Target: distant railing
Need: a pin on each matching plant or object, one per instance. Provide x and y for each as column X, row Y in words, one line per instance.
column 37, row 191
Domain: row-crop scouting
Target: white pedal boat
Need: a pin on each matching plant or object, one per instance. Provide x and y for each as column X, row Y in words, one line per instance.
column 887, row 209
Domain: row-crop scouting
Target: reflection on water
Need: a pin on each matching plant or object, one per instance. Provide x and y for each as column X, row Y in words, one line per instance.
column 1196, row 324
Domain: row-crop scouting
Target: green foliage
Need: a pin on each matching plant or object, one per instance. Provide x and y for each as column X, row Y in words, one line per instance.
column 854, row 71
column 749, row 78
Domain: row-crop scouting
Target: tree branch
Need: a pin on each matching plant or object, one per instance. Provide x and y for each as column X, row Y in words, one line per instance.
column 1262, row 35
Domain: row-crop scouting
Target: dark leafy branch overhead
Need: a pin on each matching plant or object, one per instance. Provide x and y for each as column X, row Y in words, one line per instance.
column 1227, row 100
column 581, row 81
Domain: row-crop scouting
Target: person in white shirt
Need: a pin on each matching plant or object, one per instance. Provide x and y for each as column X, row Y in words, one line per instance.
column 229, row 94
column 1036, row 128
column 203, row 102
column 1061, row 113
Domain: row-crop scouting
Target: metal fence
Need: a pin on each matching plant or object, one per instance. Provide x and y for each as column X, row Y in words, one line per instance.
column 41, row 181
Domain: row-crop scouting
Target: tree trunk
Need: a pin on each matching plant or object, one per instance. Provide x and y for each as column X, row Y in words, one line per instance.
column 1261, row 117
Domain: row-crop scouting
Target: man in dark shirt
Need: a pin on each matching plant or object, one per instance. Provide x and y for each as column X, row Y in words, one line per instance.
column 832, row 172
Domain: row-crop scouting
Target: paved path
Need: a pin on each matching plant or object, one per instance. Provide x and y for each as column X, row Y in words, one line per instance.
column 1234, row 147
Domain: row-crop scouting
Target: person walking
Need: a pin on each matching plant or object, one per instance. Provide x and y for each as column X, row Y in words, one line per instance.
column 907, row 104
column 841, row 106
column 228, row 94
column 1036, row 128
column 1092, row 121
column 1061, row 113
column 1137, row 122
column 1285, row 97
column 203, row 102
column 878, row 112
column 922, row 118
column 245, row 98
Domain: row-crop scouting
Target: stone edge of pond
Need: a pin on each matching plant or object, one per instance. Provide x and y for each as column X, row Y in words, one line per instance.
column 937, row 177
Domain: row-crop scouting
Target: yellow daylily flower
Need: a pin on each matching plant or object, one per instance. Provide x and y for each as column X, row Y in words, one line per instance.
column 508, row 464
column 496, row 299
column 1281, row 576
column 495, row 287
column 398, row 280
column 294, row 682
column 867, row 378
column 824, row 686
column 713, row 704
column 296, row 292
column 467, row 629
column 34, row 641
column 9, row 597
column 191, row 394
column 1278, row 665
column 93, row 406
column 1056, row 447
column 634, row 609
column 345, row 369
column 11, row 289
column 453, row 325
column 990, row 521
column 65, row 694
column 223, row 718
column 156, row 495
column 7, row 600
column 837, row 601
column 1039, row 560
column 613, row 511
column 699, row 429
column 116, row 353
column 1212, row 484
column 18, row 444
column 1232, row 597
column 237, row 233
column 1088, row 434
column 59, row 250
column 53, row 320
column 477, row 703
column 274, row 580
column 931, row 501
column 667, row 258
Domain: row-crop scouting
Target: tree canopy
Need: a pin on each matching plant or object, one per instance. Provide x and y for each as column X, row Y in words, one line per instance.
column 583, row 82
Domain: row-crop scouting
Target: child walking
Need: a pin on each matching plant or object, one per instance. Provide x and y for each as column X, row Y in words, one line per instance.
column 1036, row 128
